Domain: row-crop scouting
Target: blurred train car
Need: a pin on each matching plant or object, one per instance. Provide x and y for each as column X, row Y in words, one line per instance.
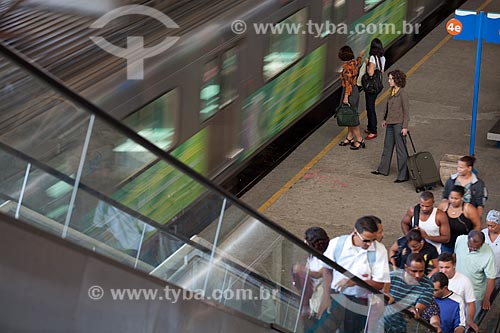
column 215, row 98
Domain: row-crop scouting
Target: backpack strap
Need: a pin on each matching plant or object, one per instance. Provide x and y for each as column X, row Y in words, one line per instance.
column 339, row 247
column 416, row 216
column 372, row 255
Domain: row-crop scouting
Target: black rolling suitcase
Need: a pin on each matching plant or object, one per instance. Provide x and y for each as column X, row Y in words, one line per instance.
column 422, row 168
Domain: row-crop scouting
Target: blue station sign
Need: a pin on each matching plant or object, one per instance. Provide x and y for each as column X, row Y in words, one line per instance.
column 468, row 19
column 491, row 31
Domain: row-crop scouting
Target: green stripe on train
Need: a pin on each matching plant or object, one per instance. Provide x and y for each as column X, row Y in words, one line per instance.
column 161, row 192
column 391, row 13
column 274, row 106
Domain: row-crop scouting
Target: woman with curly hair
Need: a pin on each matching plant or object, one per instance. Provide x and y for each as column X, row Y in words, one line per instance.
column 396, row 124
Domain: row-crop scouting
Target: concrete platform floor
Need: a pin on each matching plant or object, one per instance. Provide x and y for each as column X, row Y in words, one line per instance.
column 322, row 184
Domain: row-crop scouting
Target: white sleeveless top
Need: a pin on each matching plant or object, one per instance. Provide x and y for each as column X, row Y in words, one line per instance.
column 431, row 228
column 380, row 64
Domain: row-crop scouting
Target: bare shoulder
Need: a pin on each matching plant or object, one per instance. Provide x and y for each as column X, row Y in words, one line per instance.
column 409, row 214
column 443, row 205
column 441, row 217
column 469, row 206
column 409, row 211
column 440, row 212
column 470, row 209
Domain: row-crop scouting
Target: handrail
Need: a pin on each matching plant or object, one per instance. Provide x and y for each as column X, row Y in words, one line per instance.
column 60, row 87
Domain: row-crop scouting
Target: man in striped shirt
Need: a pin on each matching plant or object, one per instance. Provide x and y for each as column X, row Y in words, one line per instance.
column 410, row 289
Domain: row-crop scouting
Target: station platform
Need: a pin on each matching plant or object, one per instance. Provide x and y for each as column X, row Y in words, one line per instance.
column 323, row 184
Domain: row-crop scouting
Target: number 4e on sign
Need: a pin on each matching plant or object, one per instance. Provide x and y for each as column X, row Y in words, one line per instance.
column 454, row 27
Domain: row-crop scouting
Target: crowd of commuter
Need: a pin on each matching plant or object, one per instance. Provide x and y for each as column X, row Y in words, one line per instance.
column 446, row 288
column 444, row 269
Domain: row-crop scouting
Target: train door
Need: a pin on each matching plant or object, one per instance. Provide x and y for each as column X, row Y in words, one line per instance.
column 219, row 110
column 334, row 19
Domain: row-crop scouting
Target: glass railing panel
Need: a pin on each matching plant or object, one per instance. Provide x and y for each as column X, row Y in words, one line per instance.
column 25, row 187
column 11, row 177
column 53, row 135
column 237, row 281
column 118, row 229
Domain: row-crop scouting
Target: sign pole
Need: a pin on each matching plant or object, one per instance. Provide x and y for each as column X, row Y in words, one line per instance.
column 479, row 51
column 470, row 26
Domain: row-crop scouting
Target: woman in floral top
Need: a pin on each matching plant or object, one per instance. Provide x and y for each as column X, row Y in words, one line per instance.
column 350, row 92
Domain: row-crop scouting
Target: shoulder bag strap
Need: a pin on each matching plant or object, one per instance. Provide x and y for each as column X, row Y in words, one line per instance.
column 379, row 67
column 416, row 216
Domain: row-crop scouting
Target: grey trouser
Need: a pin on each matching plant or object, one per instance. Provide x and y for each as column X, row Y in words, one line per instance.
column 393, row 138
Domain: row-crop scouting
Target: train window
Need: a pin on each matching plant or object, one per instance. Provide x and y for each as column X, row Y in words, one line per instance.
column 155, row 122
column 326, row 18
column 285, row 46
column 369, row 4
column 219, row 86
column 228, row 77
column 210, row 89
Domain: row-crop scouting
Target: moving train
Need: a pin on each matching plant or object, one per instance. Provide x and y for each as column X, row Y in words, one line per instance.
column 214, row 98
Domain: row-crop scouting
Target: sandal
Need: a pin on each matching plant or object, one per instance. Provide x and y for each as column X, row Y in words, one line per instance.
column 346, row 142
column 361, row 144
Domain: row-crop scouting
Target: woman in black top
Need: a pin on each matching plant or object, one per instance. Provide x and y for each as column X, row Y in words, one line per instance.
column 462, row 216
column 413, row 242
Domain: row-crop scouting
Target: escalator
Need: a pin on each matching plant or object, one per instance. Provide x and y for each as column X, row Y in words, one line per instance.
column 69, row 224
column 489, row 321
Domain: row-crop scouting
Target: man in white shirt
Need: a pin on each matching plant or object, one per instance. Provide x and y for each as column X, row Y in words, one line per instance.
column 460, row 285
column 360, row 254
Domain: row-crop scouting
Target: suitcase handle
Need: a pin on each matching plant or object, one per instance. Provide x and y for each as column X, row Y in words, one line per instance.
column 412, row 145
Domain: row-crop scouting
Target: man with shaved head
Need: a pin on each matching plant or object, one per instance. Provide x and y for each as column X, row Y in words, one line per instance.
column 476, row 260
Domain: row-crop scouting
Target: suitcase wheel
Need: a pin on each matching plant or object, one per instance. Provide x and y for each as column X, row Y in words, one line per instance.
column 425, row 188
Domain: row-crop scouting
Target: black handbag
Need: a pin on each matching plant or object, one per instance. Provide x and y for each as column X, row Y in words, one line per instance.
column 346, row 115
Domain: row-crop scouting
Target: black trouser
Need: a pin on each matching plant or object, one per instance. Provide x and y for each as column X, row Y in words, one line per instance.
column 370, row 112
column 354, row 321
column 348, row 312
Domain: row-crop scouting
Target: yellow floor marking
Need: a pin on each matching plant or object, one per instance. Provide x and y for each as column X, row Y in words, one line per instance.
column 343, row 133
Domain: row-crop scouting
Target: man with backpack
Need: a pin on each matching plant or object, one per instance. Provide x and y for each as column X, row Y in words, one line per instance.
column 432, row 222
column 360, row 254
